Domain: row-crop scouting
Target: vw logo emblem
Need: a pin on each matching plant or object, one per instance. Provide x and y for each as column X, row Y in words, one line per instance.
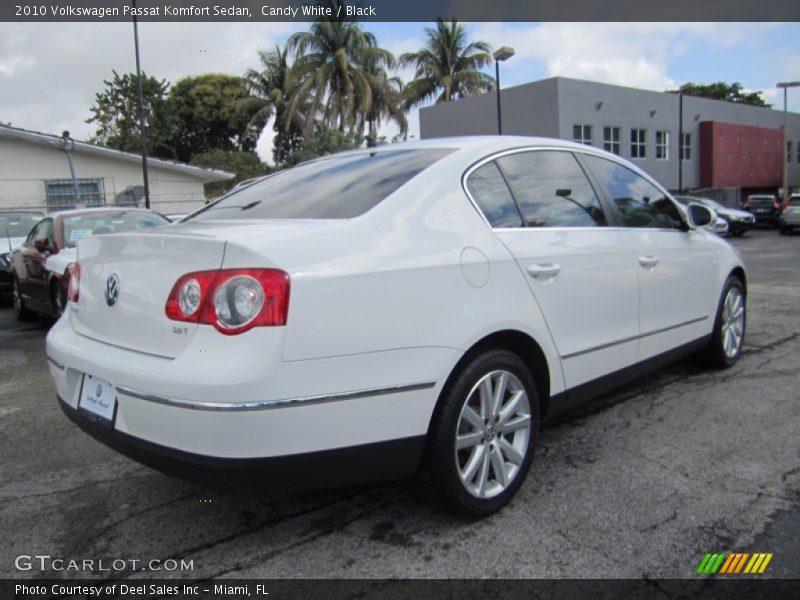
column 112, row 289
column 99, row 391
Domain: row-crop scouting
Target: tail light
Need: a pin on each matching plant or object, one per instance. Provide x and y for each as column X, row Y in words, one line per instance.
column 232, row 300
column 74, row 274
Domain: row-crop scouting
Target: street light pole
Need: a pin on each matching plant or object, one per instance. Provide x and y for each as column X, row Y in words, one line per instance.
column 502, row 53
column 785, row 150
column 142, row 126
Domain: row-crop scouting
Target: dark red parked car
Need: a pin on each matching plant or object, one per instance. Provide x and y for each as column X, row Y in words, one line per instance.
column 40, row 267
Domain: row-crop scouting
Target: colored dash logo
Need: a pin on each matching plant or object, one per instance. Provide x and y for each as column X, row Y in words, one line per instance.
column 732, row 563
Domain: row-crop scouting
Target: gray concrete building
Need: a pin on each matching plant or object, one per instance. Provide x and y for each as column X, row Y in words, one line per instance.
column 726, row 146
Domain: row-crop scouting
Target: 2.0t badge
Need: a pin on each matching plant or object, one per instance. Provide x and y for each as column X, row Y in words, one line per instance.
column 112, row 289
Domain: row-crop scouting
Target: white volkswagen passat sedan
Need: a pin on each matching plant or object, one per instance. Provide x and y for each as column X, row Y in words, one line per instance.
column 409, row 309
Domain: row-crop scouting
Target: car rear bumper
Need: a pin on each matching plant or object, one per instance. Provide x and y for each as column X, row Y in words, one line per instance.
column 367, row 463
column 288, row 409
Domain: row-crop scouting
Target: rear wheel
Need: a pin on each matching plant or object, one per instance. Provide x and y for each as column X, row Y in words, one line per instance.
column 20, row 310
column 782, row 230
column 58, row 299
column 482, row 435
column 729, row 327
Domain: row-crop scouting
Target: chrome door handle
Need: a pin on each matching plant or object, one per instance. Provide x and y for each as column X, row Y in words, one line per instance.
column 648, row 262
column 544, row 270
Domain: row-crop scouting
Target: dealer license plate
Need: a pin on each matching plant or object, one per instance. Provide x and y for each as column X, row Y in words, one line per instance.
column 99, row 398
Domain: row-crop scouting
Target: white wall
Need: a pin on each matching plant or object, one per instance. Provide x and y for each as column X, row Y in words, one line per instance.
column 25, row 166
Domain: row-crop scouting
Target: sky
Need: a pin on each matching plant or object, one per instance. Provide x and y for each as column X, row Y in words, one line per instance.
column 50, row 72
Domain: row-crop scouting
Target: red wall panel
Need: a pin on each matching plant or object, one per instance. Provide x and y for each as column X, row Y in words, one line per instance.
column 739, row 155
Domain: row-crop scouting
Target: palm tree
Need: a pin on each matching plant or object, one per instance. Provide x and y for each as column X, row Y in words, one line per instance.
column 271, row 88
column 329, row 70
column 448, row 67
column 387, row 102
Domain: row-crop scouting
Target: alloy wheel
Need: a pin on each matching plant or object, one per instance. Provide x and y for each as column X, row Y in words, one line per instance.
column 492, row 434
column 732, row 322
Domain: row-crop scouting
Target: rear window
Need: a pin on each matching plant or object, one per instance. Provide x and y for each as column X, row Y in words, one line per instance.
column 794, row 201
column 82, row 226
column 17, row 225
column 339, row 187
column 760, row 201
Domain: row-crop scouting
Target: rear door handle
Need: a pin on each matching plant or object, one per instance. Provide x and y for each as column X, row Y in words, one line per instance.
column 544, row 270
column 647, row 261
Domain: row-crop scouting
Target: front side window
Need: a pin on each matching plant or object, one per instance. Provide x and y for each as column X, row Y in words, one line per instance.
column 639, row 202
column 552, row 189
column 788, row 152
column 335, row 187
column 638, row 143
column 492, row 195
column 611, row 140
column 662, row 145
column 582, row 134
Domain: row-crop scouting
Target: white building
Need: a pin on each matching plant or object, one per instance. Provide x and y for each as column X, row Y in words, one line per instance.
column 34, row 173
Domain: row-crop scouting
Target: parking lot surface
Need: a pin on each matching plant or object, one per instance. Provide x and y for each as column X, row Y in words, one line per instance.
column 641, row 483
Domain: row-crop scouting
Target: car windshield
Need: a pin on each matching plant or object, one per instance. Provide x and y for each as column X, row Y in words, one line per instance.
column 17, row 224
column 761, row 201
column 338, row 187
column 794, row 202
column 77, row 227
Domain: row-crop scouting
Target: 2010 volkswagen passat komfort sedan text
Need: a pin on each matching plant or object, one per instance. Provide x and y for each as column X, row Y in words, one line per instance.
column 408, row 309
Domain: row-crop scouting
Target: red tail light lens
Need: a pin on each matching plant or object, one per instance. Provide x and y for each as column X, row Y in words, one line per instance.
column 232, row 300
column 74, row 274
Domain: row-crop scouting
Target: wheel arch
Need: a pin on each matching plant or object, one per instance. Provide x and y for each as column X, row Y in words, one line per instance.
column 524, row 346
column 740, row 274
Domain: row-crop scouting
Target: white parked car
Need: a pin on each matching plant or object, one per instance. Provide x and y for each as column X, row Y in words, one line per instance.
column 405, row 309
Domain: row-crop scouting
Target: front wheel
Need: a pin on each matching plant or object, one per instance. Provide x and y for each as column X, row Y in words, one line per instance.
column 727, row 338
column 58, row 299
column 20, row 310
column 482, row 436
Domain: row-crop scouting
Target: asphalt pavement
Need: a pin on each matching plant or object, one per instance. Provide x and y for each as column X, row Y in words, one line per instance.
column 641, row 483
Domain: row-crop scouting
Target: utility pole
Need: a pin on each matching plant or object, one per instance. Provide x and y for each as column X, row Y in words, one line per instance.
column 142, row 124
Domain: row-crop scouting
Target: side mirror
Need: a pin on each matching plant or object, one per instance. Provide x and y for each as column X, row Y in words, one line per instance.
column 42, row 244
column 701, row 216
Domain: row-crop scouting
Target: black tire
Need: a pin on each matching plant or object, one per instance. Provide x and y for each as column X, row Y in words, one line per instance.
column 58, row 299
column 439, row 477
column 20, row 310
column 714, row 355
column 782, row 230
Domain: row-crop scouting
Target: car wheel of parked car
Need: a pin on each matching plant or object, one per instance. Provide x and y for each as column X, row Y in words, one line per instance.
column 58, row 299
column 20, row 311
column 782, row 230
column 726, row 340
column 482, row 436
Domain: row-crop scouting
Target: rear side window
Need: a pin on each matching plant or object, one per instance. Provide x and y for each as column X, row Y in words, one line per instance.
column 552, row 189
column 339, row 187
column 639, row 202
column 492, row 195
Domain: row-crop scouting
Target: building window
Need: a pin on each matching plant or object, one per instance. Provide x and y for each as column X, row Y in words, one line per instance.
column 788, row 152
column 611, row 139
column 582, row 134
column 686, row 146
column 638, row 143
column 662, row 145
column 60, row 194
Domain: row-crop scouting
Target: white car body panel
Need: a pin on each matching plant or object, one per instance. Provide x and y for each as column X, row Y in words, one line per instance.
column 390, row 300
column 57, row 263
